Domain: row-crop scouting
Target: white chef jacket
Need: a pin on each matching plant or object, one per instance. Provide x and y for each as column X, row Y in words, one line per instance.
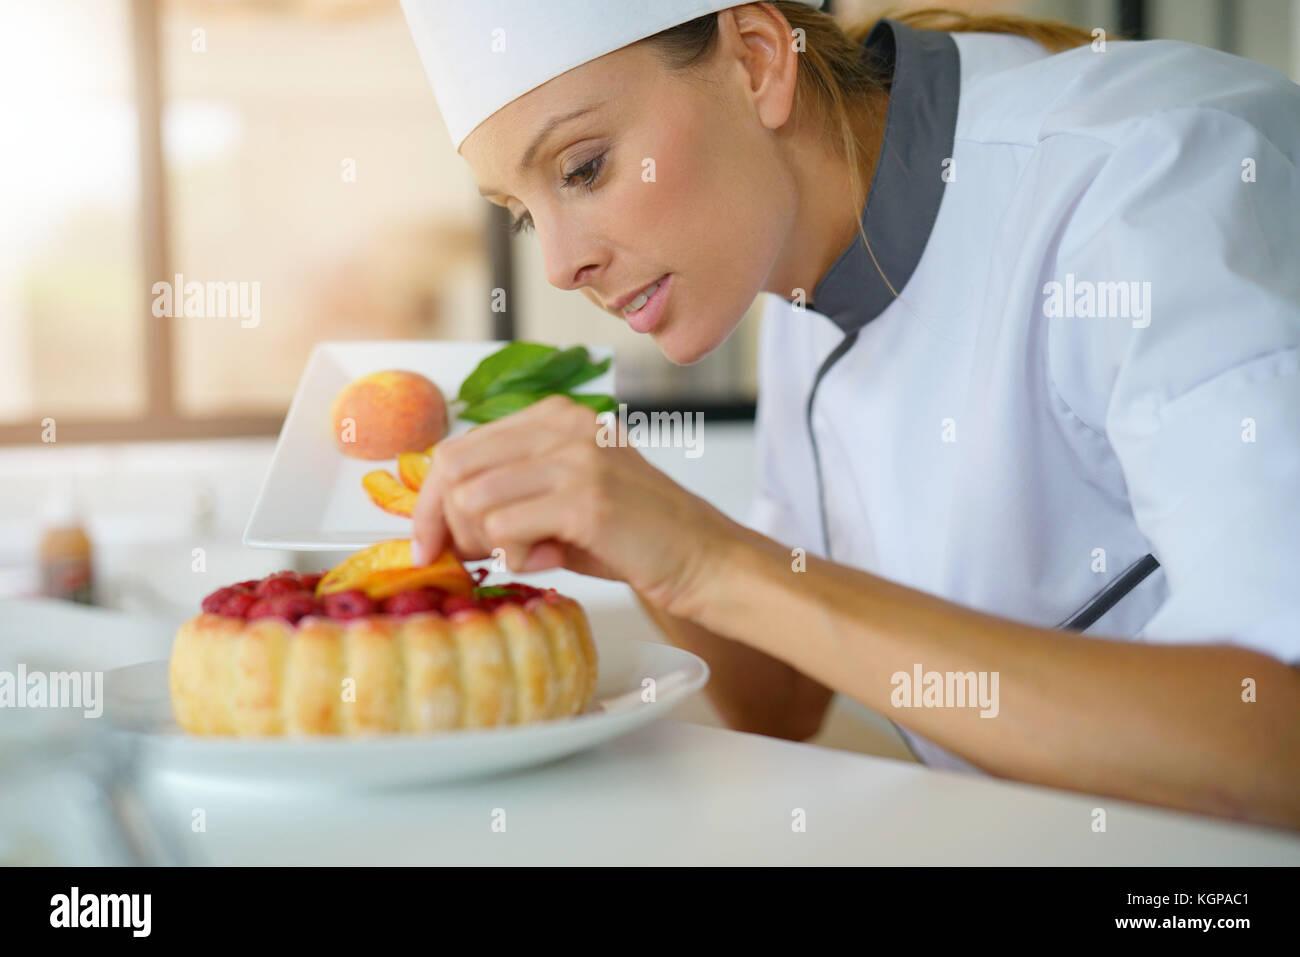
column 976, row 438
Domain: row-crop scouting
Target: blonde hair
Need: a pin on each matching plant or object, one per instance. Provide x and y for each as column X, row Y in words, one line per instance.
column 836, row 82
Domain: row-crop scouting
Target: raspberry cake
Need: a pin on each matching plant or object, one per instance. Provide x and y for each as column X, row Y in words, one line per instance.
column 276, row 657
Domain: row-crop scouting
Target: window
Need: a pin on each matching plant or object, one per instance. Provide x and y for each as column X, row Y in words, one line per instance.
column 285, row 160
column 71, row 275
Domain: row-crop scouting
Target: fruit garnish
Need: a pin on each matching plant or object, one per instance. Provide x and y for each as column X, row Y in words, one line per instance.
column 412, row 467
column 409, row 603
column 213, row 603
column 289, row 606
column 238, row 604
column 385, row 569
column 279, row 584
column 397, row 591
column 348, row 604
column 454, row 603
column 389, row 494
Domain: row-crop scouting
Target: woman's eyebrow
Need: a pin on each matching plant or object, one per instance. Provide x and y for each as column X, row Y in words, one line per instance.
column 551, row 125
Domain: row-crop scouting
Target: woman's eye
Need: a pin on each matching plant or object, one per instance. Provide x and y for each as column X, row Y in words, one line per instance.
column 586, row 174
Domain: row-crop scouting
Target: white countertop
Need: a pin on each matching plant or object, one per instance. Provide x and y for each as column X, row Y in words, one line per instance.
column 678, row 793
column 670, row 793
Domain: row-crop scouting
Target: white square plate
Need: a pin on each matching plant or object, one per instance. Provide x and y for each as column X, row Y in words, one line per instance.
column 311, row 497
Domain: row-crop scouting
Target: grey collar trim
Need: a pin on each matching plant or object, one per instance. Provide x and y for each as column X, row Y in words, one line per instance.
column 907, row 186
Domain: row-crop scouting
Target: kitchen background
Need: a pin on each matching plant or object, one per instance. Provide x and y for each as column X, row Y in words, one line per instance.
column 295, row 143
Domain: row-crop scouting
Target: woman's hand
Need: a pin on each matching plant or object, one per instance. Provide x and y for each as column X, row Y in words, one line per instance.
column 539, row 485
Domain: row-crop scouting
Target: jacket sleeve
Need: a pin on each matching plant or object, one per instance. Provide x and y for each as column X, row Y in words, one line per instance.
column 1198, row 212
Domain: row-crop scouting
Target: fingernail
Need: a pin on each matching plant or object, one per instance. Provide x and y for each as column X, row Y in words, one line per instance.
column 417, row 553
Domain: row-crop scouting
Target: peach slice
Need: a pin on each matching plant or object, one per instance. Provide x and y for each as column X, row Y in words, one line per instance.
column 389, row 494
column 445, row 572
column 385, row 569
column 412, row 467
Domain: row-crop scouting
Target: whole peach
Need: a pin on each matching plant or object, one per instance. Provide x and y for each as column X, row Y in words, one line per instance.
column 384, row 414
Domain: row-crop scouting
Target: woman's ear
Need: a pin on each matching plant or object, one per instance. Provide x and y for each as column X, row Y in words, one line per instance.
column 758, row 39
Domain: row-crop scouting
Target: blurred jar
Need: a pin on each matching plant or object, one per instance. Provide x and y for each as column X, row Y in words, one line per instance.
column 66, row 565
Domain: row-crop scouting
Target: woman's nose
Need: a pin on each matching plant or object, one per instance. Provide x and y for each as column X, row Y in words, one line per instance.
column 571, row 257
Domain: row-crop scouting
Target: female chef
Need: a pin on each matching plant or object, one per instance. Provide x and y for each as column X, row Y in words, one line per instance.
column 1041, row 374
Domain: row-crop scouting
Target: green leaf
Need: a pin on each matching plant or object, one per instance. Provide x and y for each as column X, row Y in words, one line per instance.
column 507, row 402
column 515, row 356
column 494, row 591
column 494, row 408
column 595, row 400
column 589, row 371
column 546, row 376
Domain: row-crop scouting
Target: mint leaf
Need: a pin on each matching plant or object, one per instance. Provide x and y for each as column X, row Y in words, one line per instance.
column 588, row 372
column 507, row 402
column 595, row 400
column 547, row 376
column 494, row 591
column 514, row 357
column 499, row 405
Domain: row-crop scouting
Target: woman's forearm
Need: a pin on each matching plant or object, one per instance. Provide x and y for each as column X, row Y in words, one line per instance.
column 751, row 690
column 1165, row 724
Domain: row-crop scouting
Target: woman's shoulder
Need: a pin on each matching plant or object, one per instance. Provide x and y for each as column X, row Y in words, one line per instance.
column 1111, row 89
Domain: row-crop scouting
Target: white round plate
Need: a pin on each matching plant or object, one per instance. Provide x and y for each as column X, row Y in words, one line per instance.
column 138, row 705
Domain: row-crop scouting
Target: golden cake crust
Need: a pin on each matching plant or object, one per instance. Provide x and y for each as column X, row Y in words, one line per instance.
column 477, row 668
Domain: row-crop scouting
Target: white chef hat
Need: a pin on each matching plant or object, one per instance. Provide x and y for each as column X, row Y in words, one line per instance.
column 481, row 54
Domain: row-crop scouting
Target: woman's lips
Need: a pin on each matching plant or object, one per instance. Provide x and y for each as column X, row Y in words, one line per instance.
column 645, row 318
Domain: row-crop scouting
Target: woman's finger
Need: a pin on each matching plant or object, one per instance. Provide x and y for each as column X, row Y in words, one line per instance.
column 528, row 433
column 498, row 486
column 520, row 525
column 470, row 502
column 544, row 555
column 428, row 527
column 440, row 522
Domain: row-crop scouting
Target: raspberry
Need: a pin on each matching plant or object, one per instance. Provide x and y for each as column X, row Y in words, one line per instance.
column 408, row 603
column 290, row 607
column 247, row 585
column 261, row 608
column 454, row 603
column 348, row 604
column 278, row 584
column 237, row 605
column 436, row 594
column 212, row 604
column 293, row 606
column 310, row 581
